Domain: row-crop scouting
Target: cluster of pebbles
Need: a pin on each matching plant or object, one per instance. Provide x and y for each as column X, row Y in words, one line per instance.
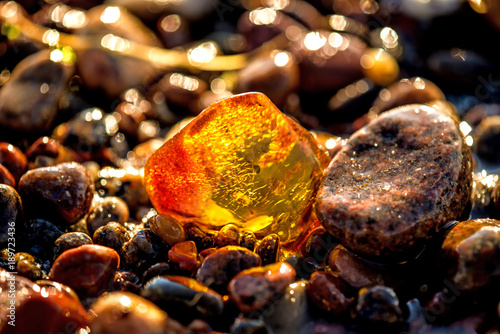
column 403, row 233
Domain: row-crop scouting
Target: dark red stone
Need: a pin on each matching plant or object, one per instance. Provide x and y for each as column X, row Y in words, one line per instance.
column 328, row 293
column 62, row 193
column 421, row 180
column 88, row 269
column 253, row 288
column 43, row 146
column 6, row 177
column 13, row 159
column 221, row 266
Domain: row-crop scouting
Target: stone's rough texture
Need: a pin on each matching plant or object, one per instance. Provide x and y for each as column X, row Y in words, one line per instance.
column 185, row 255
column 183, row 298
column 378, row 306
column 62, row 193
column 240, row 161
column 228, row 235
column 221, row 266
column 328, row 293
column 113, row 235
column 470, row 254
column 268, row 249
column 88, row 269
column 253, row 288
column 125, row 312
column 70, row 240
column 396, row 182
column 38, row 308
column 106, row 210
column 29, row 100
column 11, row 211
column 143, row 250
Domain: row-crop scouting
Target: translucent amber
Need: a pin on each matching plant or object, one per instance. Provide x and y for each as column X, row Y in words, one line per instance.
column 241, row 161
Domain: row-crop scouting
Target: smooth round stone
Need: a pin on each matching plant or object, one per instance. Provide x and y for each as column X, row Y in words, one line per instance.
column 221, row 266
column 126, row 281
column 328, row 293
column 70, row 240
column 378, row 307
column 88, row 269
column 487, row 139
column 62, row 193
column 6, row 177
column 125, row 312
column 422, row 179
column 167, row 228
column 253, row 288
column 39, row 308
column 157, row 269
column 113, row 235
column 13, row 159
column 268, row 249
column 248, row 240
column 109, row 209
column 45, row 146
column 11, row 211
column 317, row 245
column 407, row 91
column 183, row 298
column 228, row 235
column 241, row 161
column 203, row 239
column 470, row 254
column 29, row 101
column 380, row 66
column 185, row 255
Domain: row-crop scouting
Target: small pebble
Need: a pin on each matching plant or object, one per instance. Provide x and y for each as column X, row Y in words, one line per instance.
column 70, row 240
column 253, row 288
column 487, row 139
column 268, row 249
column 184, row 298
column 185, row 255
column 203, row 239
column 378, row 307
column 328, row 293
column 221, row 266
column 11, row 212
column 317, row 245
column 13, row 159
column 6, row 177
column 167, row 228
column 126, row 281
column 106, row 210
column 112, row 235
column 248, row 240
column 45, row 146
column 62, row 193
column 157, row 269
column 228, row 235
column 26, row 266
column 88, row 269
column 39, row 236
column 143, row 250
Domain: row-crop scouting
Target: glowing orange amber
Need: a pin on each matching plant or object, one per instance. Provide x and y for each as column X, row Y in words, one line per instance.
column 240, row 161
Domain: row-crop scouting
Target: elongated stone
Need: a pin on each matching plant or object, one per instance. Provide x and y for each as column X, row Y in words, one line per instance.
column 396, row 182
column 240, row 161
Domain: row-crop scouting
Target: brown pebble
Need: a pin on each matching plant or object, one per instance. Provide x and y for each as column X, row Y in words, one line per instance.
column 13, row 159
column 45, row 146
column 11, row 211
column 62, row 193
column 268, row 249
column 253, row 288
column 70, row 240
column 88, row 269
column 228, row 235
column 106, row 210
column 328, row 293
column 125, row 312
column 221, row 266
column 112, row 235
column 167, row 228
column 6, row 177
column 470, row 254
column 185, row 255
column 421, row 181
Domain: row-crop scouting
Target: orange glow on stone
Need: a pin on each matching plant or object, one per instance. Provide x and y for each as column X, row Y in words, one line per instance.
column 241, row 161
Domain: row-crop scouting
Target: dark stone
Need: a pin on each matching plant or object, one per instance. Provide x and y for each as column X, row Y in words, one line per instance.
column 202, row 239
column 45, row 146
column 378, row 307
column 112, row 235
column 143, row 250
column 422, row 180
column 11, row 212
column 13, row 159
column 268, row 249
column 221, row 266
column 157, row 269
column 38, row 237
column 328, row 293
column 228, row 235
column 126, row 281
column 248, row 240
column 487, row 139
column 70, row 240
column 106, row 210
column 62, row 193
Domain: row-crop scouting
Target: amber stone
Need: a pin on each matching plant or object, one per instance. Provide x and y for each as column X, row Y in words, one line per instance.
column 241, row 161
column 396, row 182
column 185, row 255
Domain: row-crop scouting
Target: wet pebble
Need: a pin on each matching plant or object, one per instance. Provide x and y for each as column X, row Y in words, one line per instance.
column 184, row 298
column 11, row 212
column 167, row 228
column 13, row 159
column 249, row 326
column 378, row 307
column 70, row 240
column 26, row 266
column 470, row 254
column 106, row 210
column 185, row 255
column 228, row 235
column 423, row 180
column 62, row 193
column 6, row 177
column 221, row 266
column 157, row 269
column 328, row 293
column 203, row 239
column 125, row 312
column 143, row 250
column 317, row 245
column 112, row 235
column 248, row 240
column 29, row 100
column 253, row 288
column 126, row 281
column 487, row 139
column 88, row 269
column 268, row 249
column 45, row 146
